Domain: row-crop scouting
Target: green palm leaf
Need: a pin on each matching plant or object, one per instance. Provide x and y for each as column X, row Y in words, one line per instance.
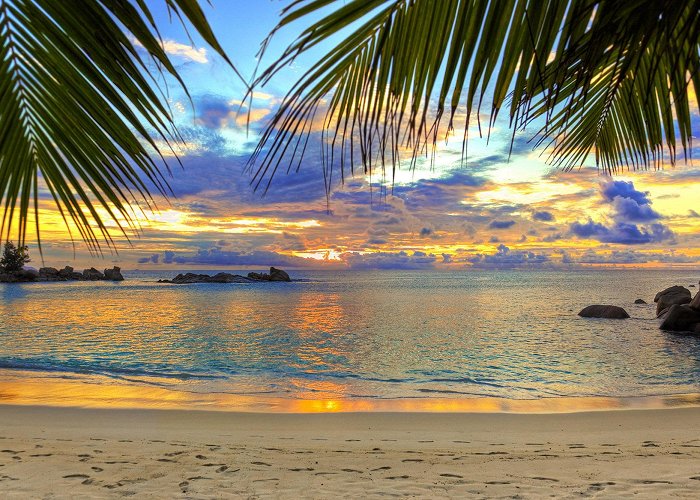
column 596, row 77
column 79, row 108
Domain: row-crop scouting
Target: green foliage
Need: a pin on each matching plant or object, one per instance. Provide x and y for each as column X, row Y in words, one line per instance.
column 80, row 109
column 600, row 77
column 13, row 258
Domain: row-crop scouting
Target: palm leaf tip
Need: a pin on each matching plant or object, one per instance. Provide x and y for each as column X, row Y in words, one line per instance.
column 79, row 111
column 598, row 79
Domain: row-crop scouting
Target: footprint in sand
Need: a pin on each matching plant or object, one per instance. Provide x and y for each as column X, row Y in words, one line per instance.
column 497, row 482
column 261, row 463
column 451, row 475
column 386, row 467
column 97, row 469
column 222, row 468
column 396, row 477
column 540, row 478
column 201, row 457
column 41, row 455
column 302, row 469
column 352, row 470
column 412, row 460
column 76, row 476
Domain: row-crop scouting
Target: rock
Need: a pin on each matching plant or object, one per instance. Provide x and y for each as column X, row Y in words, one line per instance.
column 640, row 301
column 275, row 275
column 92, row 274
column 681, row 318
column 670, row 296
column 603, row 311
column 662, row 314
column 27, row 275
column 114, row 274
column 50, row 274
column 278, row 275
column 695, row 303
column 67, row 273
column 259, row 276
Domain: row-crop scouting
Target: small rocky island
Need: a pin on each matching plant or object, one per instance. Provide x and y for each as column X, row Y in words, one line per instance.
column 65, row 274
column 274, row 275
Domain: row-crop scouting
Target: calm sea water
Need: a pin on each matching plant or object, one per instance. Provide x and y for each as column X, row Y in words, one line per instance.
column 364, row 335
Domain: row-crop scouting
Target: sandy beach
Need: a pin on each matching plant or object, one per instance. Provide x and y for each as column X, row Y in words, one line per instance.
column 52, row 452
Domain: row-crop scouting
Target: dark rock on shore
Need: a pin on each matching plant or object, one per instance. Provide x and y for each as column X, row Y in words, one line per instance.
column 603, row 311
column 673, row 295
column 640, row 301
column 275, row 275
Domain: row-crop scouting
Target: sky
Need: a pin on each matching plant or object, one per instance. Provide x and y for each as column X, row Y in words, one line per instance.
column 495, row 212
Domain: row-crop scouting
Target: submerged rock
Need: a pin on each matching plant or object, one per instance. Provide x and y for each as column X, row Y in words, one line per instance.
column 681, row 318
column 670, row 296
column 640, row 301
column 603, row 311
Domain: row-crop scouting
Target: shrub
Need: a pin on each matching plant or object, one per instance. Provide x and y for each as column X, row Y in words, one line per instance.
column 13, row 258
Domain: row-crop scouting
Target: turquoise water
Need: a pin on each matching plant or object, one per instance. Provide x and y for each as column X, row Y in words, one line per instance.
column 362, row 335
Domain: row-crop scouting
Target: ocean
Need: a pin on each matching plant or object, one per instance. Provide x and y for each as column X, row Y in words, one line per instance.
column 344, row 340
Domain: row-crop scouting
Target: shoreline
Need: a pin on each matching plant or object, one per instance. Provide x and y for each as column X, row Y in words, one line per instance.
column 108, row 453
column 61, row 390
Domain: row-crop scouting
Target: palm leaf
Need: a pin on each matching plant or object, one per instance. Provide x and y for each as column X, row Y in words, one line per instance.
column 605, row 77
column 79, row 110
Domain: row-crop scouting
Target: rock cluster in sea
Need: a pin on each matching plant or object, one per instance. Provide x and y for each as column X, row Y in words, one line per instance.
column 274, row 275
column 676, row 307
column 65, row 274
column 679, row 311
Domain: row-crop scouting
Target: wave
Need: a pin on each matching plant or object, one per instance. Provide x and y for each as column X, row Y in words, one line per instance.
column 117, row 372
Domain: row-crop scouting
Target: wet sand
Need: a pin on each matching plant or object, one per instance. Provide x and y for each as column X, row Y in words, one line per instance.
column 104, row 453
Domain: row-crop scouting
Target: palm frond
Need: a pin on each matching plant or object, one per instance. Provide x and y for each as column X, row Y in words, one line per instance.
column 78, row 104
column 595, row 76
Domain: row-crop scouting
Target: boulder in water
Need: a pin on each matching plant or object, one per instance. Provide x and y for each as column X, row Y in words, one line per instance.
column 603, row 311
column 113, row 274
column 681, row 318
column 278, row 275
column 670, row 296
column 92, row 274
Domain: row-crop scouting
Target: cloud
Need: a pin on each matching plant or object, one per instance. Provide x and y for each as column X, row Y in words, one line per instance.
column 426, row 231
column 505, row 258
column 390, row 260
column 216, row 257
column 630, row 210
column 543, row 216
column 622, row 233
column 628, row 207
column 185, row 51
column 180, row 50
column 623, row 189
column 501, row 224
